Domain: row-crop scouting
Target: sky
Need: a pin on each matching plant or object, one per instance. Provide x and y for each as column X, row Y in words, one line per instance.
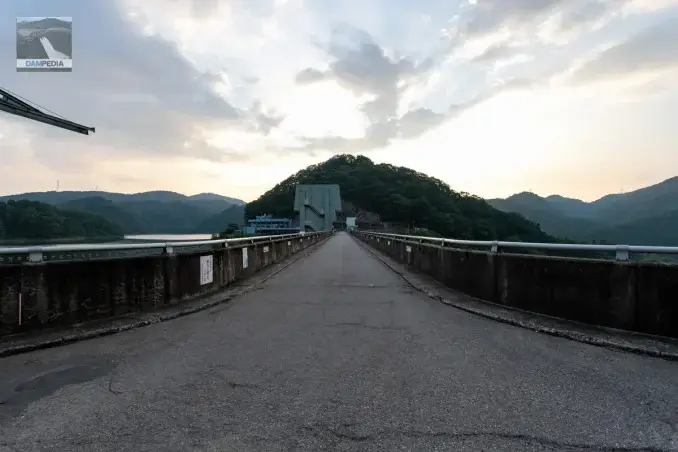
column 494, row 97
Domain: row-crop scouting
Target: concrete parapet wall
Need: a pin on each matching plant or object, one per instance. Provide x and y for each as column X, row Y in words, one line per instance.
column 36, row 296
column 634, row 296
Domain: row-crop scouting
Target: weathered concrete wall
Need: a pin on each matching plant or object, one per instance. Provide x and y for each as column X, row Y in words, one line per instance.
column 635, row 296
column 36, row 296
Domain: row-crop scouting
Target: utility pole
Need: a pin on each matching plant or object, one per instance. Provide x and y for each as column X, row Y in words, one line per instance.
column 13, row 105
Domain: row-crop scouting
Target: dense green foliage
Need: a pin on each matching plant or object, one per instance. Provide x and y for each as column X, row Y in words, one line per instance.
column 648, row 216
column 129, row 222
column 549, row 217
column 36, row 220
column 231, row 218
column 404, row 197
column 660, row 230
column 150, row 212
column 60, row 197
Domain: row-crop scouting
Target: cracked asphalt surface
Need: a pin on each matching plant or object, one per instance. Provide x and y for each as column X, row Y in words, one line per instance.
column 336, row 353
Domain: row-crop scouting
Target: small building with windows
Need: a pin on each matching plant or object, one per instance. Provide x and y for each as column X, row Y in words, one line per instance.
column 267, row 225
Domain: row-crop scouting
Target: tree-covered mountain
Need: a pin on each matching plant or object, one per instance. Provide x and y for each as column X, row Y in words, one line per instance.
column 403, row 197
column 145, row 213
column 36, row 220
column 215, row 197
column 60, row 197
column 647, row 202
column 234, row 215
column 660, row 230
column 173, row 217
column 548, row 215
column 128, row 221
column 641, row 217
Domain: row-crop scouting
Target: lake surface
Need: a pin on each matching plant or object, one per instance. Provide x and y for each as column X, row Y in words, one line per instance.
column 128, row 239
column 169, row 237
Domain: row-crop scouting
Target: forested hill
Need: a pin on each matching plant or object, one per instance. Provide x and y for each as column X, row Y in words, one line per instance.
column 402, row 196
column 647, row 216
column 37, row 220
column 154, row 212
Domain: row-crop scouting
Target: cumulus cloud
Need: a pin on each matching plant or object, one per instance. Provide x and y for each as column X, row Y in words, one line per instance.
column 360, row 65
column 653, row 49
column 584, row 13
column 491, row 15
column 496, row 52
column 413, row 124
column 363, row 67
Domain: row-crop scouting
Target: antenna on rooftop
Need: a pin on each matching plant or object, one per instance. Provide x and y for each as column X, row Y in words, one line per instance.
column 16, row 105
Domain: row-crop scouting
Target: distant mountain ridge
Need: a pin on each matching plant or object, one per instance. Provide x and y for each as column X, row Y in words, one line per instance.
column 150, row 212
column 647, row 216
column 52, row 197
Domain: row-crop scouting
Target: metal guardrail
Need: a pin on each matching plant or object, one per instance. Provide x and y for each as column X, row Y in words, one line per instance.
column 622, row 252
column 86, row 252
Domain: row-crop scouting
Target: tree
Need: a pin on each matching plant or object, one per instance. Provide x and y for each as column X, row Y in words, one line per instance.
column 36, row 220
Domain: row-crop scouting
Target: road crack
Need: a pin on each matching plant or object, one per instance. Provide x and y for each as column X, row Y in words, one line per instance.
column 110, row 386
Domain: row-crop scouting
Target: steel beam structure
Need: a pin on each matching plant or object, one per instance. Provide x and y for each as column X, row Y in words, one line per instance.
column 15, row 106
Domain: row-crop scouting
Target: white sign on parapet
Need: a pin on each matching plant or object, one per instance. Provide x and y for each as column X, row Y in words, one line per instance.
column 245, row 259
column 206, row 269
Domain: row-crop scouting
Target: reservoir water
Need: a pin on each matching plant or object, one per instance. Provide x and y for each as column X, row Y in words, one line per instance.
column 128, row 239
column 169, row 237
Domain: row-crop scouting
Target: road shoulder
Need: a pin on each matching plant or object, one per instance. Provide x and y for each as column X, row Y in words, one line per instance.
column 13, row 345
column 643, row 344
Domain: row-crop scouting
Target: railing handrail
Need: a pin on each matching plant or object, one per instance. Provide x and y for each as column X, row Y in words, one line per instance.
column 145, row 245
column 622, row 251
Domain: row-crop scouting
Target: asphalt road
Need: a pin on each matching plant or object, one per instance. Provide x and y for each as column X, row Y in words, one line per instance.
column 335, row 353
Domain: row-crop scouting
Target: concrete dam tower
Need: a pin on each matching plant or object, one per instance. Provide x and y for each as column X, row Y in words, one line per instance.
column 318, row 206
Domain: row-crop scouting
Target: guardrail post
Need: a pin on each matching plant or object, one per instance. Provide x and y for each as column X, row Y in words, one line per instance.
column 622, row 253
column 35, row 256
column 495, row 247
column 170, row 268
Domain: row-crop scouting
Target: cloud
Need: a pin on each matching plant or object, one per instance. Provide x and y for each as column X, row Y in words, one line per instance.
column 496, row 52
column 490, row 15
column 409, row 126
column 506, row 27
column 363, row 67
column 309, row 75
column 653, row 49
column 584, row 13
